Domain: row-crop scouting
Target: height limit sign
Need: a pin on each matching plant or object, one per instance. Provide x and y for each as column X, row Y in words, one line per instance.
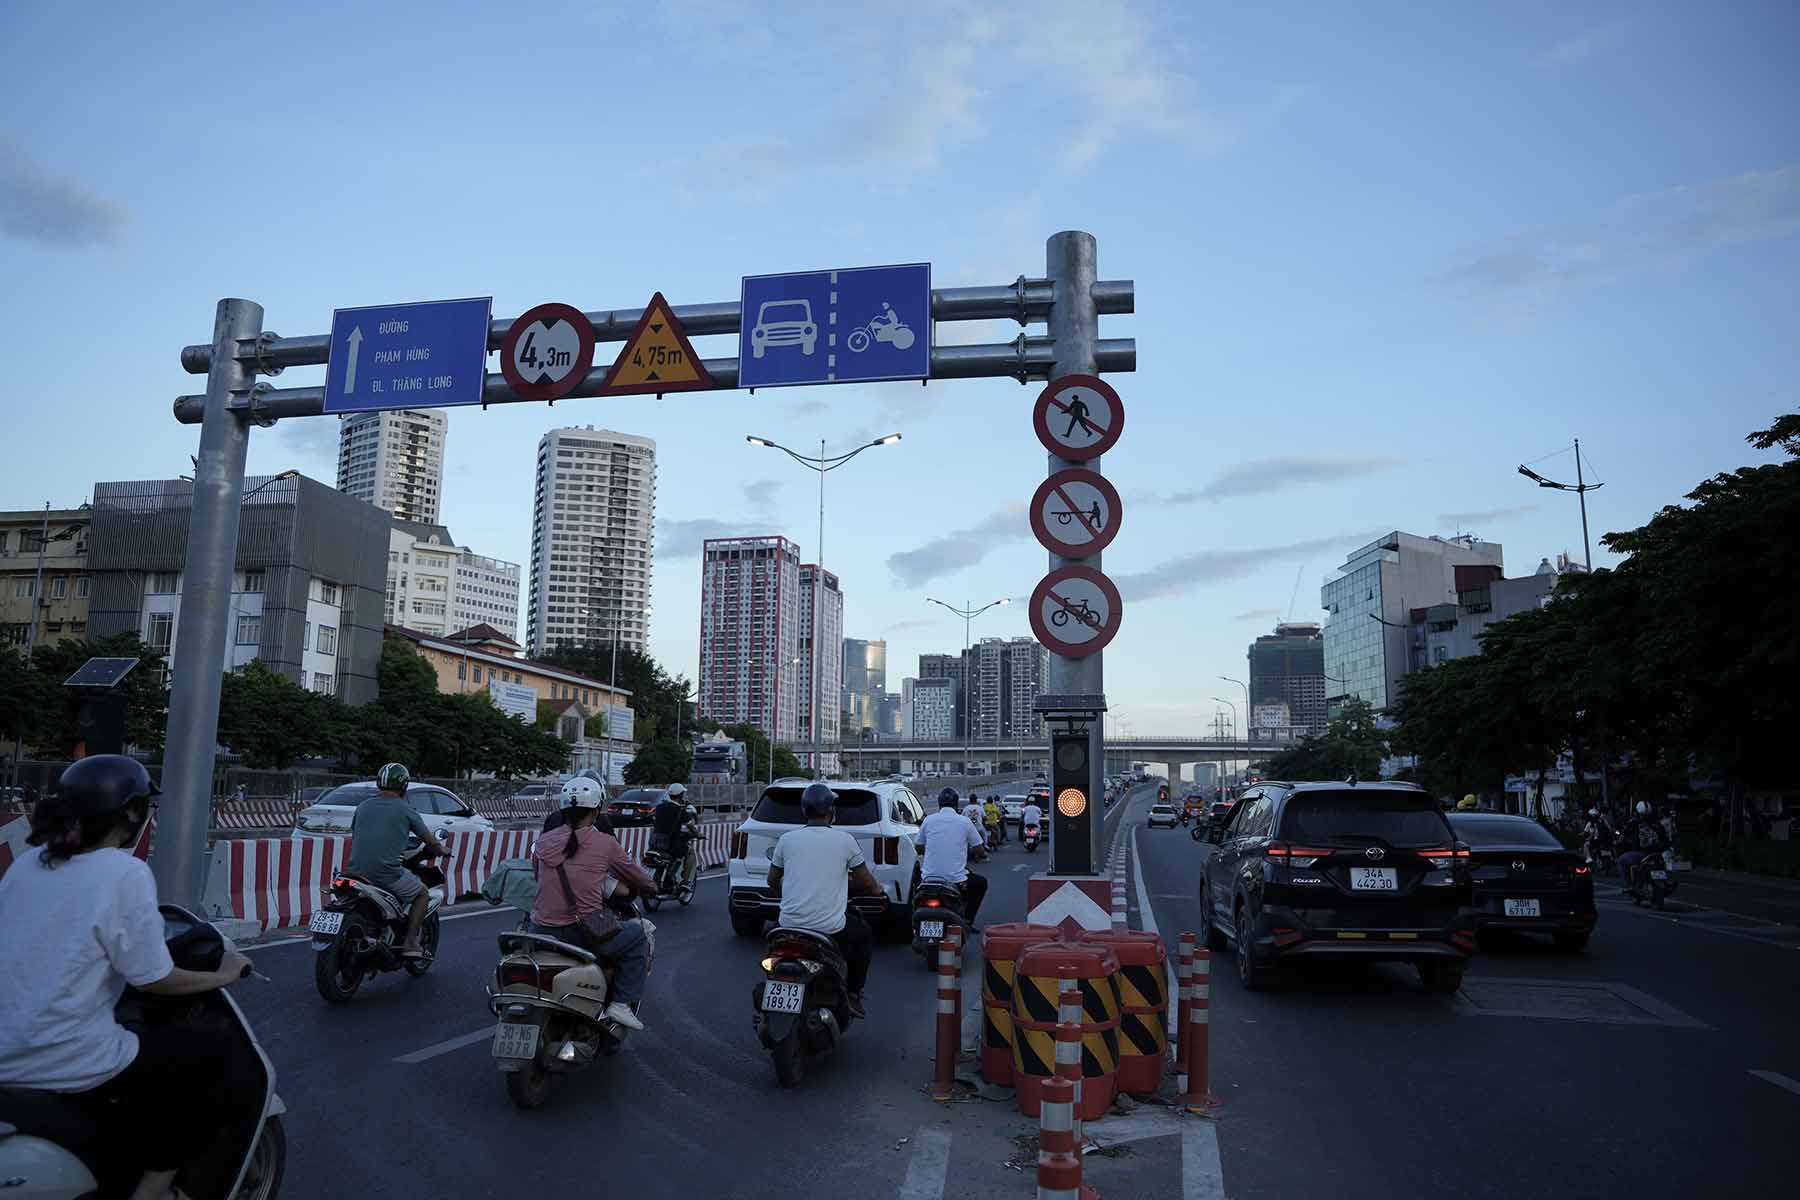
column 547, row 352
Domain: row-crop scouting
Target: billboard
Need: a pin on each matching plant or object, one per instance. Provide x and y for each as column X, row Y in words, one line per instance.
column 618, row 721
column 514, row 699
column 1270, row 715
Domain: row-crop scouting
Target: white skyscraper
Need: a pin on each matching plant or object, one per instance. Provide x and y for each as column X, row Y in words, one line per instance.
column 395, row 460
column 750, row 633
column 592, row 541
column 819, row 585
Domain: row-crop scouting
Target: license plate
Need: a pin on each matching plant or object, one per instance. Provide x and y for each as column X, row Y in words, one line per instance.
column 931, row 929
column 1373, row 879
column 515, row 1041
column 1523, row 908
column 783, row 997
column 1660, row 876
column 326, row 922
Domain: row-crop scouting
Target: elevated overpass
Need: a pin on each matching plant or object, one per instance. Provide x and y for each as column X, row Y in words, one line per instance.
column 955, row 754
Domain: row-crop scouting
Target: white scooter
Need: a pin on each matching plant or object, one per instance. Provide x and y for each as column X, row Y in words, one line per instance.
column 47, row 1138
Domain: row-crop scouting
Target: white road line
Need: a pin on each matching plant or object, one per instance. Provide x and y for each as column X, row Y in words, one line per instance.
column 930, row 1163
column 455, row 1043
column 1778, row 1079
column 1146, row 917
column 1202, row 1174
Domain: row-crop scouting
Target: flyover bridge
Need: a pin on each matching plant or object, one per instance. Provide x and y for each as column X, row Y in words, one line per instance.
column 884, row 757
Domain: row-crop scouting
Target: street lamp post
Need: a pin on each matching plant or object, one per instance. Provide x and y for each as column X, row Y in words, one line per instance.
column 612, row 682
column 822, row 463
column 1581, row 487
column 968, row 613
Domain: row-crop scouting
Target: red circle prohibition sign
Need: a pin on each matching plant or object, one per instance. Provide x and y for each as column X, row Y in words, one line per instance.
column 1067, row 403
column 1072, row 521
column 1060, row 612
column 548, row 315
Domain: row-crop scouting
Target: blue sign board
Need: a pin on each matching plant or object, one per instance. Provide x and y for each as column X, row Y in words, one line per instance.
column 427, row 355
column 849, row 326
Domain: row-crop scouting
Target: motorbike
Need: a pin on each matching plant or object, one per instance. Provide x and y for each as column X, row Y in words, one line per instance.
column 47, row 1139
column 1030, row 838
column 1652, row 878
column 1185, row 818
column 667, row 870
column 800, row 1008
column 1604, row 858
column 1198, row 832
column 357, row 935
column 895, row 332
column 937, row 907
column 547, row 998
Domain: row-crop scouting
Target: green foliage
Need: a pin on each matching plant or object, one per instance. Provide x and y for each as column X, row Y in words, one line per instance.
column 1351, row 743
column 40, row 712
column 273, row 722
column 655, row 695
column 661, row 762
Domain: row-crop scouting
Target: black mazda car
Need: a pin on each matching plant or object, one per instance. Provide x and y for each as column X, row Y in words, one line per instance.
column 1525, row 879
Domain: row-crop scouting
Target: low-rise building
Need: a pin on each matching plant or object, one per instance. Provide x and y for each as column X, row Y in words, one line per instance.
column 44, row 581
column 435, row 586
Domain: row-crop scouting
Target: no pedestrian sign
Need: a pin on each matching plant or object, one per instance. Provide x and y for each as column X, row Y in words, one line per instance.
column 657, row 358
column 1075, row 611
column 1078, row 417
column 547, row 352
column 1075, row 513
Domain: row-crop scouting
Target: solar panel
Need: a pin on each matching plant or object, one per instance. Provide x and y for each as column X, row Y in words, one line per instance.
column 101, row 673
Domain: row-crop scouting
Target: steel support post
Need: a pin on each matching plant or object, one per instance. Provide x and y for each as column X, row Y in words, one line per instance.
column 1071, row 259
column 178, row 859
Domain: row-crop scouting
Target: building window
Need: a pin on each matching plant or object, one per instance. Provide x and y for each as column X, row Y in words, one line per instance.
column 462, row 670
column 253, row 581
column 59, row 587
column 477, row 674
column 325, row 685
column 30, row 539
column 161, row 630
column 82, row 583
column 249, row 631
column 327, row 639
column 328, row 593
column 162, row 583
column 24, row 588
column 5, row 536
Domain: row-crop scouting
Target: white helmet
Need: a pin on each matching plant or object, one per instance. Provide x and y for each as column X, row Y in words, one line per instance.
column 1593, row 812
column 582, row 793
column 1643, row 808
column 677, row 790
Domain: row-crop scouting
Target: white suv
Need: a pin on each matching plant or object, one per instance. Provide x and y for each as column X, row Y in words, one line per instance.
column 334, row 812
column 884, row 819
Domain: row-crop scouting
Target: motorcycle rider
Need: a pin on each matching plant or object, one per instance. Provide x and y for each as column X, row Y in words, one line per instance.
column 1596, row 833
column 676, row 831
column 812, row 869
column 81, row 924
column 996, row 820
column 573, row 908
column 378, row 835
column 1642, row 836
column 1031, row 815
column 949, row 841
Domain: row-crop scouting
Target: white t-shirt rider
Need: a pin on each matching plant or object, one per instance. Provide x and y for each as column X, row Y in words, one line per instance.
column 1031, row 814
column 948, row 836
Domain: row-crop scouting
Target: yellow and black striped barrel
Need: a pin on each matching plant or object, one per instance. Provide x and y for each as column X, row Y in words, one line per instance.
column 1000, row 949
column 1036, row 987
column 1143, row 1007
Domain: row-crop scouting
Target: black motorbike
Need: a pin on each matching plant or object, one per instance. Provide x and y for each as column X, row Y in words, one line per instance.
column 666, row 868
column 49, row 1139
column 937, row 909
column 801, row 1006
column 359, row 932
column 1652, row 880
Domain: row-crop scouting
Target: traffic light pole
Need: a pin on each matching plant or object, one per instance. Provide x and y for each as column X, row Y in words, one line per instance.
column 178, row 859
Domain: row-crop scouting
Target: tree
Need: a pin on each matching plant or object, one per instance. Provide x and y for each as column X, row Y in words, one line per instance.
column 146, row 696
column 271, row 721
column 26, row 699
column 665, row 761
column 1352, row 742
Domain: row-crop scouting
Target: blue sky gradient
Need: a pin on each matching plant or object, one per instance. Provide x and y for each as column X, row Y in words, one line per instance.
column 1383, row 254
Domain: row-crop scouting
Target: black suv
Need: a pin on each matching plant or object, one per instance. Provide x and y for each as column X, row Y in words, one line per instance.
column 1365, row 870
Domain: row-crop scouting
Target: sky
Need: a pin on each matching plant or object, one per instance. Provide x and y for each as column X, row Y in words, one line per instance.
column 1383, row 254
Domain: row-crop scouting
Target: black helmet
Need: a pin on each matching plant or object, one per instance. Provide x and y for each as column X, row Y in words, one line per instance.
column 102, row 784
column 947, row 798
column 817, row 798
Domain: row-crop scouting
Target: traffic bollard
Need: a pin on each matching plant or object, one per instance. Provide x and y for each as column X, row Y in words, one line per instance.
column 1195, row 1096
column 1184, row 978
column 1068, row 1044
column 949, row 1015
column 1059, row 1163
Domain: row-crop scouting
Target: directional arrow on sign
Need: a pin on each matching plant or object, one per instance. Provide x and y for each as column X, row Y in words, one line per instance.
column 1070, row 903
column 355, row 341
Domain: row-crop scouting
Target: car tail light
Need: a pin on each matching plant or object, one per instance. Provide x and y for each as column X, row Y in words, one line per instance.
column 740, row 845
column 1444, row 857
column 1297, row 856
column 892, row 845
column 1583, row 869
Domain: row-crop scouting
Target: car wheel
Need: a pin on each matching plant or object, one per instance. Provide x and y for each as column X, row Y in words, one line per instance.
column 1215, row 939
column 1253, row 975
column 1441, row 978
column 747, row 924
column 1572, row 943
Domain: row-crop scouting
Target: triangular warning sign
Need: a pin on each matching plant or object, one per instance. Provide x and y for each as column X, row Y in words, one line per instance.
column 657, row 358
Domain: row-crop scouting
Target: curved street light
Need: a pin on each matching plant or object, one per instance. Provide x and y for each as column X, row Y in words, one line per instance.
column 968, row 613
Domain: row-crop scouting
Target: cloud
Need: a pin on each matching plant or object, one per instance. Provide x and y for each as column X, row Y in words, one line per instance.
column 1183, row 574
column 684, row 539
column 960, row 548
column 1486, row 516
column 909, row 623
column 1257, row 614
column 1259, row 476
column 36, row 206
column 1582, row 46
column 760, row 493
column 310, row 439
column 1662, row 230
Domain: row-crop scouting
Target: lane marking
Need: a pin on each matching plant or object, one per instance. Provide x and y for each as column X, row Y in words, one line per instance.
column 928, row 1166
column 1146, row 917
column 455, row 1043
column 1778, row 1079
column 1202, row 1174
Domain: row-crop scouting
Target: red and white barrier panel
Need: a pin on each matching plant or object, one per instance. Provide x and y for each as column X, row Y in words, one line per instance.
column 267, row 813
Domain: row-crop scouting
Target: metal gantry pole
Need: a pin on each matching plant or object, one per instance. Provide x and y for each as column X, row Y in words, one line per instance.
column 818, row 603
column 1071, row 260
column 179, row 858
column 1587, row 550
